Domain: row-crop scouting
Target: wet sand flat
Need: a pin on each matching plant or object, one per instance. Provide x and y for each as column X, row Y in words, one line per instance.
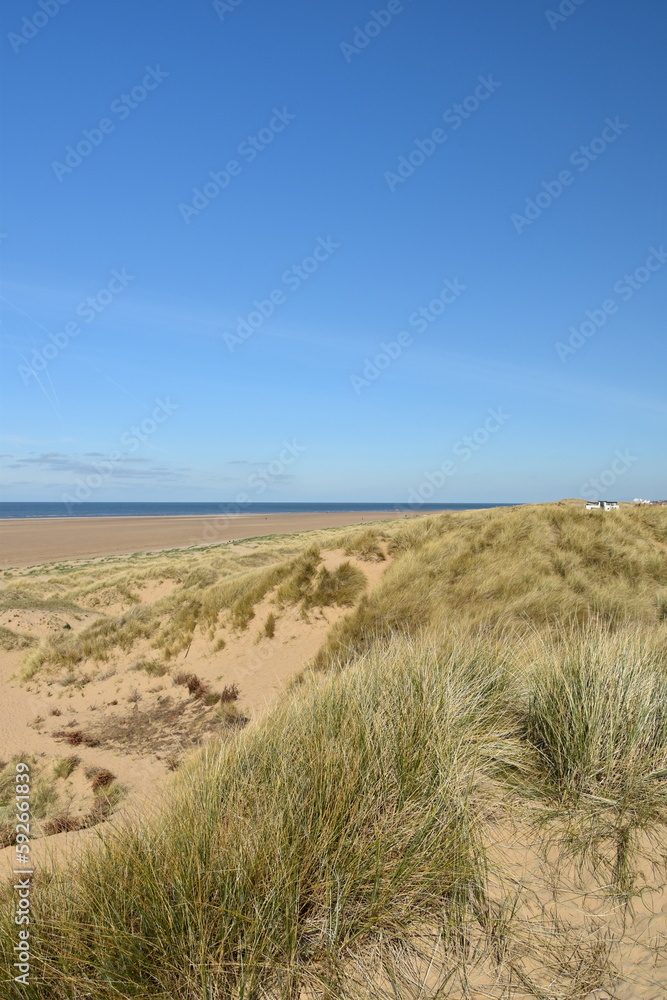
column 30, row 541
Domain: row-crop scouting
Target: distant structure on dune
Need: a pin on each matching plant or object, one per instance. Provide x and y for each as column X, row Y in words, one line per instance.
column 602, row 505
column 655, row 503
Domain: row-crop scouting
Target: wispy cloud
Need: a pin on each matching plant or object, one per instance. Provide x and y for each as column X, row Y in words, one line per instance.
column 124, row 468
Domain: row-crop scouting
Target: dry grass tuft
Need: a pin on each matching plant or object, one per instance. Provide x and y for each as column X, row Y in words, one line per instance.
column 270, row 625
column 65, row 766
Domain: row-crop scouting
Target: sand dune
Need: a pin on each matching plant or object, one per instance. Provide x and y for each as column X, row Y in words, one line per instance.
column 139, row 724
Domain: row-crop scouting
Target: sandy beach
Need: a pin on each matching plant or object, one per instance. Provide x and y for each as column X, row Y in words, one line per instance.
column 30, row 541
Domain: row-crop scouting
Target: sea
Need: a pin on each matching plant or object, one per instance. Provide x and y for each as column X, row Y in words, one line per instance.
column 101, row 509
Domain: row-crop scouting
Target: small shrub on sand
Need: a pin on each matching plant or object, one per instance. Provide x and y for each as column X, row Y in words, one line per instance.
column 229, row 693
column 107, row 798
column 196, row 687
column 99, row 777
column 232, row 718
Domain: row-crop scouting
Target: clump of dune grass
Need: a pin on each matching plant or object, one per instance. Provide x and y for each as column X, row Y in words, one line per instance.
column 317, row 588
column 154, row 668
column 298, row 584
column 24, row 599
column 347, row 813
column 340, row 586
column 596, row 713
column 269, row 629
column 364, row 544
column 92, row 643
column 65, row 766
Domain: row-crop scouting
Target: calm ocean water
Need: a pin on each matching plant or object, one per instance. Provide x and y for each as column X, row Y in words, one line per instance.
column 208, row 509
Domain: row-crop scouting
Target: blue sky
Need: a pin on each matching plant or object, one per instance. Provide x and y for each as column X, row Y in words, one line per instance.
column 334, row 251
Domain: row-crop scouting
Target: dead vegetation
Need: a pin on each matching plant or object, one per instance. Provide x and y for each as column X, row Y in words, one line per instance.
column 170, row 726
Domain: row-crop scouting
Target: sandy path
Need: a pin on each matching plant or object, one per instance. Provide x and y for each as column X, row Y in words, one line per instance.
column 27, row 542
